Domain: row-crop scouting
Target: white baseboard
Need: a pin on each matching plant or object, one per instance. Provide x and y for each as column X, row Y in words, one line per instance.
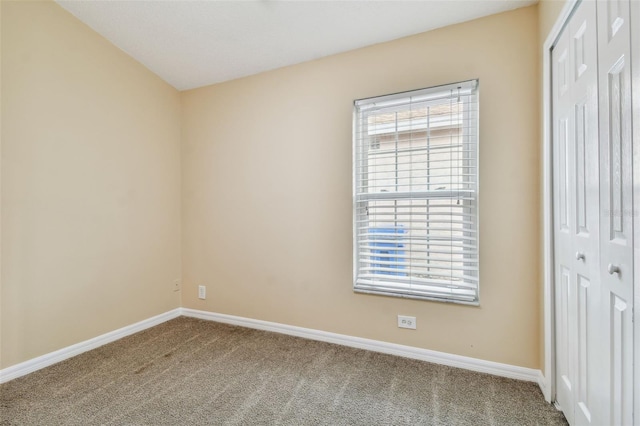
column 473, row 364
column 46, row 360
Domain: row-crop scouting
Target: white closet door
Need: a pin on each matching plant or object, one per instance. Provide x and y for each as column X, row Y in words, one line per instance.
column 616, row 224
column 585, row 231
column 576, row 200
column 563, row 245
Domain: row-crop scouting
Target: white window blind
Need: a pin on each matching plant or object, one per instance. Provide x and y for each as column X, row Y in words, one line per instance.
column 416, row 194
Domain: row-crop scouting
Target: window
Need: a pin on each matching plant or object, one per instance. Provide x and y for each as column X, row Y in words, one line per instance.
column 416, row 194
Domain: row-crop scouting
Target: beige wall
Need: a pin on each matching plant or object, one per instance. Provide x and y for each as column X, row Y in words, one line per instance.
column 91, row 188
column 90, row 184
column 548, row 13
column 267, row 191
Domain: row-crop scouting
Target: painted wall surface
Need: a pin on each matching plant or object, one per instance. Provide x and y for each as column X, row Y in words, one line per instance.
column 90, row 185
column 267, row 206
column 548, row 12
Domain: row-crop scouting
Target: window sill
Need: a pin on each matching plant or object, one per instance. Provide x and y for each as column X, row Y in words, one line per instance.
column 405, row 295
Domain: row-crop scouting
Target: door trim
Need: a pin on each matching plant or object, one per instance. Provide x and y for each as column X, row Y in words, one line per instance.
column 549, row 387
column 635, row 108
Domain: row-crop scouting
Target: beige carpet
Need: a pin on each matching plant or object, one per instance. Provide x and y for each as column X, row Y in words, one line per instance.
column 193, row 372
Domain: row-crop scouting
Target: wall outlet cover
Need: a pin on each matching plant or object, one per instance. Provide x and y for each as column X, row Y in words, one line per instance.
column 406, row 322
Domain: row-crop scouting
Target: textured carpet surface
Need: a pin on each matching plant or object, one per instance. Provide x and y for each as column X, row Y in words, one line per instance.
column 188, row 371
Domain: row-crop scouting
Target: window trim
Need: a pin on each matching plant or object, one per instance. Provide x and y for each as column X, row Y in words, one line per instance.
column 386, row 101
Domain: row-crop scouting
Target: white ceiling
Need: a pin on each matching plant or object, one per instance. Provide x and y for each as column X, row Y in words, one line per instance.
column 195, row 43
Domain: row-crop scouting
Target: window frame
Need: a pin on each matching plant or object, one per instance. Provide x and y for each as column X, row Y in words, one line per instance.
column 402, row 100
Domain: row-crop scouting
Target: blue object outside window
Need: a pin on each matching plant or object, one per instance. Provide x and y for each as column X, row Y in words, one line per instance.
column 389, row 249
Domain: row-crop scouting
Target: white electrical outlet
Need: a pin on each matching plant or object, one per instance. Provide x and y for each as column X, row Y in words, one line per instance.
column 406, row 322
column 202, row 292
column 176, row 285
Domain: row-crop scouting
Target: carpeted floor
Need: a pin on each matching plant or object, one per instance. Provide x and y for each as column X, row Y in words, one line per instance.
column 194, row 372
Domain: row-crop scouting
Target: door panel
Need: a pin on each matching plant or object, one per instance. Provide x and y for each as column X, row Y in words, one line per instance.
column 576, row 240
column 616, row 200
column 619, row 368
column 563, row 246
column 585, row 329
column 582, row 213
column 586, row 238
column 614, row 150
